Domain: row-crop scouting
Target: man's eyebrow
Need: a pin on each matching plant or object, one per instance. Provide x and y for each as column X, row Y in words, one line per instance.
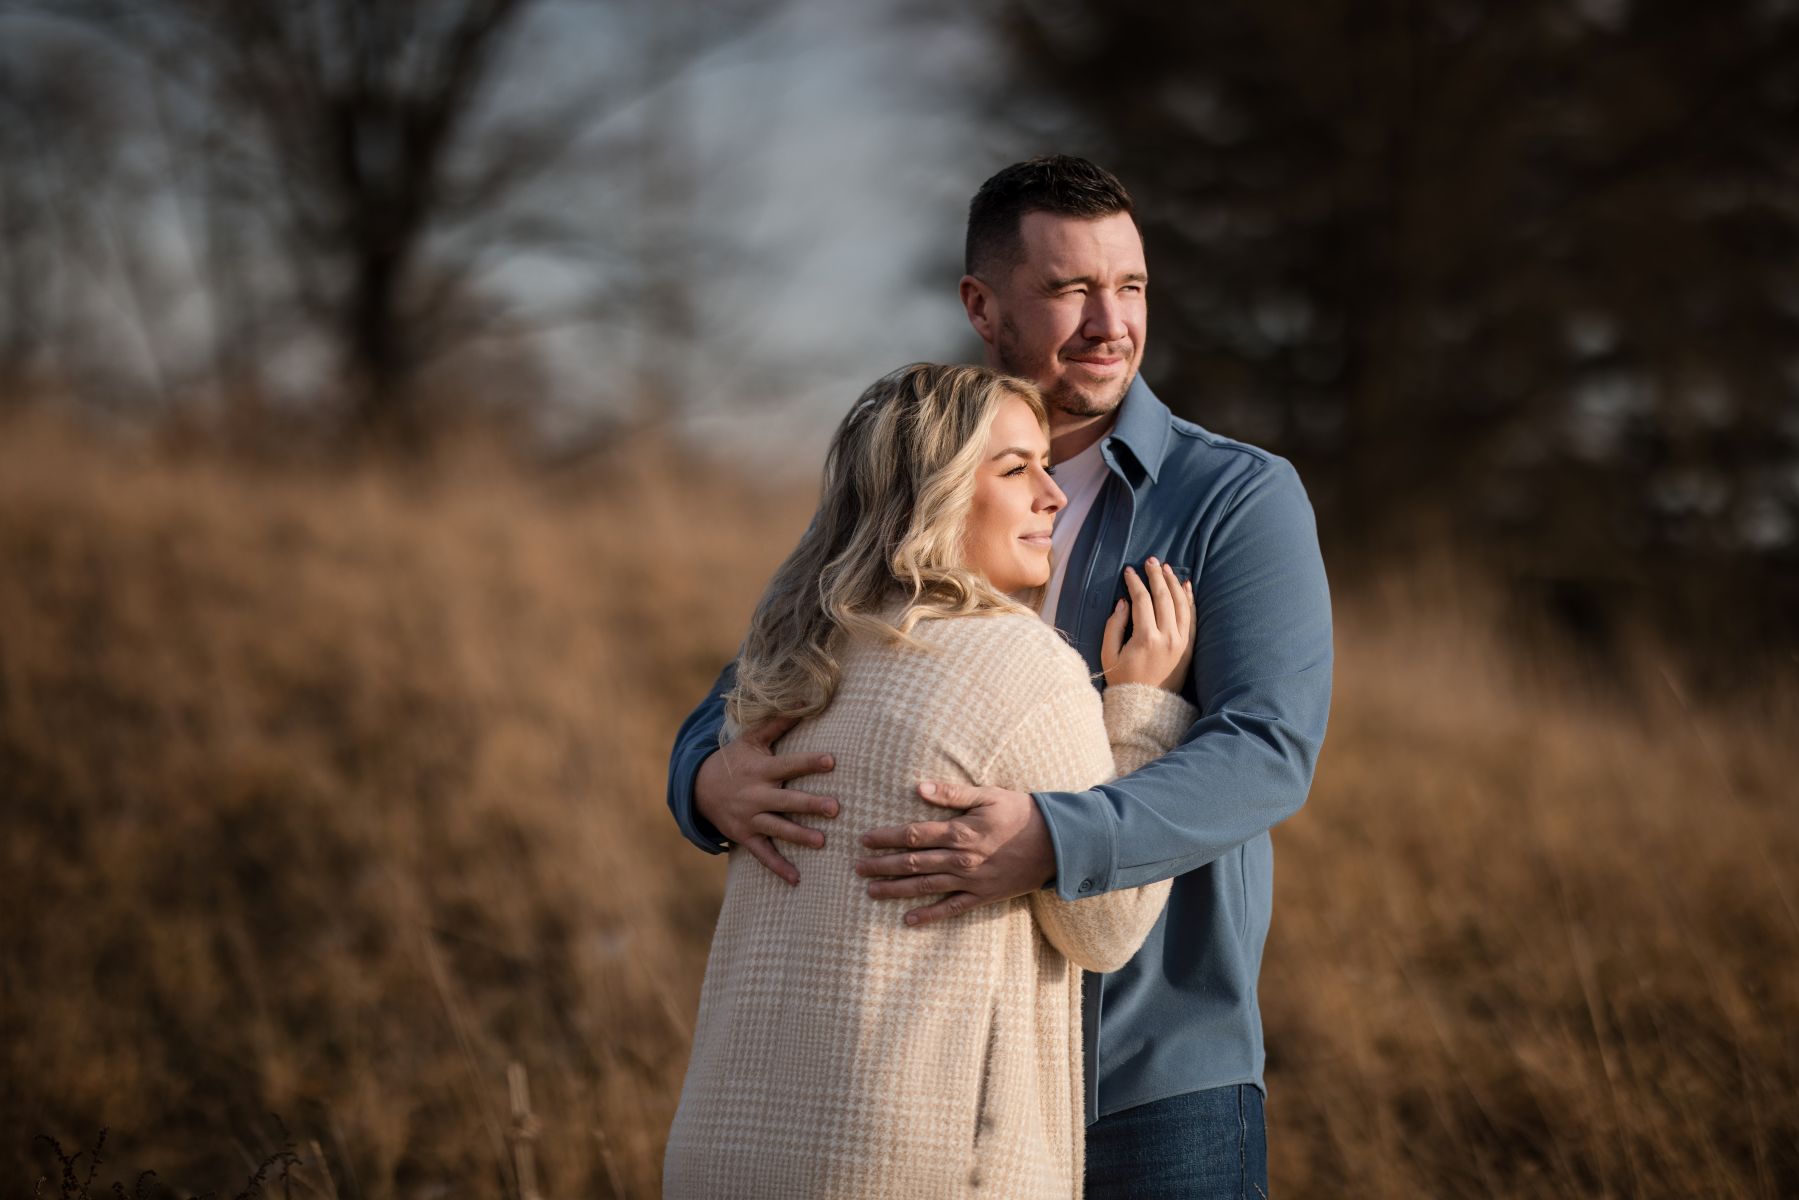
column 1056, row 285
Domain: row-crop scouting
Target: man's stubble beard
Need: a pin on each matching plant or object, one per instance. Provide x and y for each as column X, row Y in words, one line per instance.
column 1061, row 397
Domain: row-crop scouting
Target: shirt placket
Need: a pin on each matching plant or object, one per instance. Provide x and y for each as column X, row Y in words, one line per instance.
column 1115, row 512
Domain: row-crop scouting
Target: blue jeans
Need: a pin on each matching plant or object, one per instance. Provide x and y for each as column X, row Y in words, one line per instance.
column 1206, row 1145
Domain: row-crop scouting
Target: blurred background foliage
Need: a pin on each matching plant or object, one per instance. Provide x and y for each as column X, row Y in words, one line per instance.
column 1518, row 279
column 1524, row 277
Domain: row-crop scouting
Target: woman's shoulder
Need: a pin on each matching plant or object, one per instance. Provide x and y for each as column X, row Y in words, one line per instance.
column 1013, row 647
column 970, row 682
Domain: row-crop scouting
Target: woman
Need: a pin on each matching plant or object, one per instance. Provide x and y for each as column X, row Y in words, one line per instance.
column 839, row 1053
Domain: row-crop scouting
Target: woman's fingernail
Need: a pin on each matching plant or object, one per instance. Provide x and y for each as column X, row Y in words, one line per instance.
column 927, row 789
column 911, row 918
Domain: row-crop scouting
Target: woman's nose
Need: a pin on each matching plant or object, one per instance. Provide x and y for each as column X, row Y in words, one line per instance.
column 1051, row 497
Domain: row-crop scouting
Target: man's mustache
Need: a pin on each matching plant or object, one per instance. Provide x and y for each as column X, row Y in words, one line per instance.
column 1109, row 349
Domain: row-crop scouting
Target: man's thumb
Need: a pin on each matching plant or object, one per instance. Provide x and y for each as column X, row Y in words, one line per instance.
column 770, row 731
column 948, row 795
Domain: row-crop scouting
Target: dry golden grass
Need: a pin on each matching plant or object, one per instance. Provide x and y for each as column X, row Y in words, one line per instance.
column 332, row 795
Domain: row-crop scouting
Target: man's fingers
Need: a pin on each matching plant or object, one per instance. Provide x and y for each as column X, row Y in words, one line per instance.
column 769, row 732
column 913, row 887
column 766, row 854
column 775, row 825
column 952, row 905
column 920, row 835
column 780, row 800
column 783, row 767
column 917, row 862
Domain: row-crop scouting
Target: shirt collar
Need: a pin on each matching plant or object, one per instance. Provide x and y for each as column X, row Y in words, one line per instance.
column 1142, row 427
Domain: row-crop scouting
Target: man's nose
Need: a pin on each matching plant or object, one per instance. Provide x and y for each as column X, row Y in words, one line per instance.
column 1105, row 318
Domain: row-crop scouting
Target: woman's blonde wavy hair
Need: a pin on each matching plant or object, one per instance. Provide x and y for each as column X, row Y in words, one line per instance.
column 889, row 530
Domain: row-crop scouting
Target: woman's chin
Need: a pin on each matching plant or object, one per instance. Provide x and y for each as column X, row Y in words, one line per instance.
column 1016, row 582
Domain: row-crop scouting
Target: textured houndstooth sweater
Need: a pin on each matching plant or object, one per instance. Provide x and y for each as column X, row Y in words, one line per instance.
column 839, row 1053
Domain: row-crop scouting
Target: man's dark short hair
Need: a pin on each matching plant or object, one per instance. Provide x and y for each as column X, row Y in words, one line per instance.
column 1053, row 183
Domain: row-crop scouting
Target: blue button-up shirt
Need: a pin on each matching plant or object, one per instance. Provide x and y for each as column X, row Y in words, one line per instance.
column 1182, row 1015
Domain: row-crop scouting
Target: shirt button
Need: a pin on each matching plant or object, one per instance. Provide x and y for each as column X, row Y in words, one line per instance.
column 1086, row 885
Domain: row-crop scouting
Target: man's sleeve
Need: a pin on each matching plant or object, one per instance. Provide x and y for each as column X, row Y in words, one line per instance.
column 697, row 739
column 1262, row 681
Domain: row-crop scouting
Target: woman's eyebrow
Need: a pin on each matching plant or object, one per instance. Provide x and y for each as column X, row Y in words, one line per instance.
column 1020, row 451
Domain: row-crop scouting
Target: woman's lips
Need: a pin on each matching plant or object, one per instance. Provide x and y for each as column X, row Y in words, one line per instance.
column 1041, row 540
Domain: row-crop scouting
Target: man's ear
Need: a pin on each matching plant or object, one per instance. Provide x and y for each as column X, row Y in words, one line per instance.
column 982, row 307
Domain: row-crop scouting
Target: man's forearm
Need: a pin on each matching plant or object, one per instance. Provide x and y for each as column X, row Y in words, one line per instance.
column 694, row 743
column 1236, row 778
column 1262, row 678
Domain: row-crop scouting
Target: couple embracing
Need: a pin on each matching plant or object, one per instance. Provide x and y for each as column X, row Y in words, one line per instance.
column 1048, row 663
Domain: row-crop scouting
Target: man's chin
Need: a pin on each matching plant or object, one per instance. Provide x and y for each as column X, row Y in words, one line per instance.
column 1080, row 402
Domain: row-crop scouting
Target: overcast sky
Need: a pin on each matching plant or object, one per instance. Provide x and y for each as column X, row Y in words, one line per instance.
column 824, row 157
column 837, row 143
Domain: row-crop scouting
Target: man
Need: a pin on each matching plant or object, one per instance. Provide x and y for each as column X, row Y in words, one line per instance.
column 1055, row 286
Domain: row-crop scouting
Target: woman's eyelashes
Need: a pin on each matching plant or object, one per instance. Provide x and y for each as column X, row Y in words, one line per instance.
column 1021, row 468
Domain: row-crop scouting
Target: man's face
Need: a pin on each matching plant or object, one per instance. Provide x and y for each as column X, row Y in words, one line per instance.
column 1071, row 315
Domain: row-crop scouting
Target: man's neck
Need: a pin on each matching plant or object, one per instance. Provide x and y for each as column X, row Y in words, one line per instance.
column 1069, row 435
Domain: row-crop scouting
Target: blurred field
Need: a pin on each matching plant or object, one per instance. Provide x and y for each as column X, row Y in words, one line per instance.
column 330, row 794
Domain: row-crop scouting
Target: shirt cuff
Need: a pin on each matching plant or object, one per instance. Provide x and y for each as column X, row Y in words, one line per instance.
column 695, row 828
column 1083, row 832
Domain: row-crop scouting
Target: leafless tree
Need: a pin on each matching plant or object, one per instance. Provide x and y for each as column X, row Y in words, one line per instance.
column 344, row 172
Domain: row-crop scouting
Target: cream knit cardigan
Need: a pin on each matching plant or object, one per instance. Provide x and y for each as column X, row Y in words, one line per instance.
column 841, row 1054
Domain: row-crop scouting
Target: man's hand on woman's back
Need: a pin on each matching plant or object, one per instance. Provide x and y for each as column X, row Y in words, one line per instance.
column 739, row 790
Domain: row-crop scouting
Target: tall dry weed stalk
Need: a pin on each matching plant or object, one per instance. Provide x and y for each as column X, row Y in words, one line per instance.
column 336, row 795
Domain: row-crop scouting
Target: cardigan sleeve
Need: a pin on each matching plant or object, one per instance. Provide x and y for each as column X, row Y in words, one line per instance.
column 1072, row 734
